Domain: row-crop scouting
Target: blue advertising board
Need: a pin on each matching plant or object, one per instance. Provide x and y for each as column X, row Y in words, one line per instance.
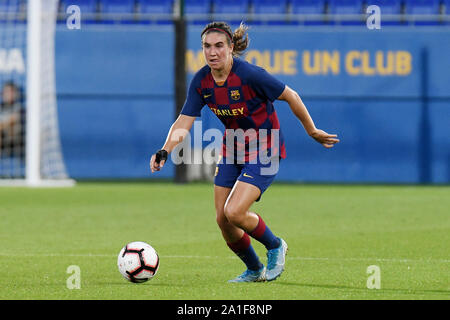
column 385, row 93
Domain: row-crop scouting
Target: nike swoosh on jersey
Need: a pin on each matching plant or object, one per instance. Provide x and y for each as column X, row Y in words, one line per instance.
column 247, row 176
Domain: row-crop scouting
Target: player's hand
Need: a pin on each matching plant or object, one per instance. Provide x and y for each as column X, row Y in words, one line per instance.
column 155, row 166
column 325, row 139
column 158, row 160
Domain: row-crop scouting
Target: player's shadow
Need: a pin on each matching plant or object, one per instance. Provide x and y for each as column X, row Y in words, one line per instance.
column 332, row 286
column 124, row 283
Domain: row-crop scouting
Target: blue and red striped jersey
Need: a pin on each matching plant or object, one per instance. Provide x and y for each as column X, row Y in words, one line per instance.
column 244, row 101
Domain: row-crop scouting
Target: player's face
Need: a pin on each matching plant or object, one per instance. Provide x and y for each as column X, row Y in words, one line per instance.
column 216, row 50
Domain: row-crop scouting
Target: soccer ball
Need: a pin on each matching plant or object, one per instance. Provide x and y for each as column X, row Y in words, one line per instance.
column 138, row 262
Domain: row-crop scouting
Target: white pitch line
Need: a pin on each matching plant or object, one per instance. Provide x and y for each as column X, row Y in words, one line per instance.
column 395, row 260
column 326, row 259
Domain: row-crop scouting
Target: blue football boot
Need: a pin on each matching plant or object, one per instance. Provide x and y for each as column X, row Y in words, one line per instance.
column 276, row 259
column 251, row 276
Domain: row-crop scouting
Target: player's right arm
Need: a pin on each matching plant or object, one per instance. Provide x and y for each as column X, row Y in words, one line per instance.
column 176, row 135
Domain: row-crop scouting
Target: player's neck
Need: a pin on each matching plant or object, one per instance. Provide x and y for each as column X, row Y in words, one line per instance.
column 221, row 75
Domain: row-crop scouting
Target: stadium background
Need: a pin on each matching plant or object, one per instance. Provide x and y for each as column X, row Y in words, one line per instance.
column 384, row 91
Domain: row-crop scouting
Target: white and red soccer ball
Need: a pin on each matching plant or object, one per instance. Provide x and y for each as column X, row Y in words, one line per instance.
column 138, row 262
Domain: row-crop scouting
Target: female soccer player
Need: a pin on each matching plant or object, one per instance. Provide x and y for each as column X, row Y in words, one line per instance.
column 241, row 95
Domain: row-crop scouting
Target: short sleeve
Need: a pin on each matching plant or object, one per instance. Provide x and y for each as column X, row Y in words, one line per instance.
column 266, row 85
column 194, row 102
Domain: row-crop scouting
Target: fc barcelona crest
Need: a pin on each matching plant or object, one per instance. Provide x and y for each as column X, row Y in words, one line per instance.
column 235, row 95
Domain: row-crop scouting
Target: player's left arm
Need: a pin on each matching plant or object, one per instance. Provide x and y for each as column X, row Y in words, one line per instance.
column 301, row 112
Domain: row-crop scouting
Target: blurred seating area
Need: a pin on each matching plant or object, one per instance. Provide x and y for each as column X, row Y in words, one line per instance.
column 310, row 12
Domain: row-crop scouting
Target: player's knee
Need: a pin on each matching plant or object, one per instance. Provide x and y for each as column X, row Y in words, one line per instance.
column 234, row 215
column 221, row 219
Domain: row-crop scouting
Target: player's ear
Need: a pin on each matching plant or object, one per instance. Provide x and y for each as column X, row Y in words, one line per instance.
column 231, row 48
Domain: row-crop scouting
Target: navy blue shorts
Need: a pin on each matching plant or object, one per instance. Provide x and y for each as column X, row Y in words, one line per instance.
column 257, row 174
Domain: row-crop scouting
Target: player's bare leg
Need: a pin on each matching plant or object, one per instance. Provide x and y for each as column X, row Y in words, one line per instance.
column 230, row 232
column 237, row 240
column 237, row 206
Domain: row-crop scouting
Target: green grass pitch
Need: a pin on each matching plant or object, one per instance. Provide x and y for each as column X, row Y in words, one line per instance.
column 334, row 234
